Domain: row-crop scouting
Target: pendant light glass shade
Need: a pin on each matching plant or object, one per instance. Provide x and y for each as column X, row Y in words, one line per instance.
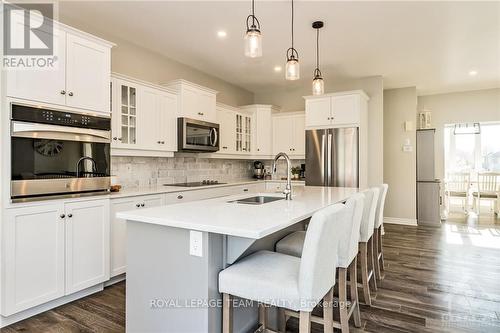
column 253, row 36
column 292, row 69
column 253, row 44
column 318, row 85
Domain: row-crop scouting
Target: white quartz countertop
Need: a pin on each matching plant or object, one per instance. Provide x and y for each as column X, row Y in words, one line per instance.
column 242, row 220
column 131, row 192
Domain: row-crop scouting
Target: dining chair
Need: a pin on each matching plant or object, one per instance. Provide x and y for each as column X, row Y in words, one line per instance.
column 377, row 233
column 294, row 284
column 457, row 185
column 488, row 188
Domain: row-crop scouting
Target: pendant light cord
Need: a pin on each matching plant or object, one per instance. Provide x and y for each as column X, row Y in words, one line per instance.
column 253, row 12
column 292, row 24
column 317, row 48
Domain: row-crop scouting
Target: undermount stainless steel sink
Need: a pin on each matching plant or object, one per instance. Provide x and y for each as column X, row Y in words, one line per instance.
column 257, row 200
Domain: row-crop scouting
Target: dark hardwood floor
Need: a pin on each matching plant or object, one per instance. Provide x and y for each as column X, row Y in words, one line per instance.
column 443, row 279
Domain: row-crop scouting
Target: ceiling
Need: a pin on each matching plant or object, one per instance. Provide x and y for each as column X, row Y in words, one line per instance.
column 430, row 45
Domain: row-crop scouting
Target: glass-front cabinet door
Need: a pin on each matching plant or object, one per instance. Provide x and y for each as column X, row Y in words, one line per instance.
column 239, row 132
column 243, row 133
column 124, row 102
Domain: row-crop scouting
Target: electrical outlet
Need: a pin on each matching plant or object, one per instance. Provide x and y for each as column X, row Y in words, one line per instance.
column 196, row 243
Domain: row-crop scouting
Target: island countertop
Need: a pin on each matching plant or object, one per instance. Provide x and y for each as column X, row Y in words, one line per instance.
column 221, row 216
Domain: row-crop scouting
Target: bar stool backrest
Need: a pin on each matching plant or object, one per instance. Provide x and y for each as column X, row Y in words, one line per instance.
column 319, row 254
column 369, row 211
column 379, row 215
column 348, row 245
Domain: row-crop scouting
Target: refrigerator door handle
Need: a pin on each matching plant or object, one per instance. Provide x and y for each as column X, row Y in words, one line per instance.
column 329, row 161
column 323, row 143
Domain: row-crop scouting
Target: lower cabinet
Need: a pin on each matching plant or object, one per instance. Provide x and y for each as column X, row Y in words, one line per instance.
column 119, row 228
column 87, row 244
column 53, row 250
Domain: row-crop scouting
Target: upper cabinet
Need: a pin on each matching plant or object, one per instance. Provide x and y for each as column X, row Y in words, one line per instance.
column 194, row 101
column 79, row 79
column 289, row 134
column 335, row 110
column 262, row 131
column 144, row 118
column 226, row 118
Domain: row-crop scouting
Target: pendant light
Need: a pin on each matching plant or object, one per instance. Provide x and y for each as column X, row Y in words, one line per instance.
column 253, row 37
column 318, row 85
column 292, row 71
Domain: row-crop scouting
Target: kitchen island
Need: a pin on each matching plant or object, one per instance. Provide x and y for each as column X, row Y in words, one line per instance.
column 175, row 252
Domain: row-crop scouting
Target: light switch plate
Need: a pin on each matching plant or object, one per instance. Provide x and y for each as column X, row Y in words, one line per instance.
column 196, row 243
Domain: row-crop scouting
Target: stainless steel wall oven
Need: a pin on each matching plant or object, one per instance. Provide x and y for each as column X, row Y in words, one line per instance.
column 58, row 153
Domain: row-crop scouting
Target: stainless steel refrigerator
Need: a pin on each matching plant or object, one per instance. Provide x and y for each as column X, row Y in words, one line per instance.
column 428, row 187
column 332, row 157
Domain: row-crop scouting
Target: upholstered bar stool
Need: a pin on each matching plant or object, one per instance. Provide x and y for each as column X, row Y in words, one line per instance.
column 289, row 282
column 347, row 258
column 366, row 252
column 377, row 233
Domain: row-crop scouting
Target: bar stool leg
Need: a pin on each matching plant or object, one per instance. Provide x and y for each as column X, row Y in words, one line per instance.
column 263, row 316
column 344, row 315
column 304, row 322
column 381, row 265
column 328, row 312
column 227, row 313
column 363, row 252
column 371, row 262
column 353, row 287
column 376, row 268
column 282, row 320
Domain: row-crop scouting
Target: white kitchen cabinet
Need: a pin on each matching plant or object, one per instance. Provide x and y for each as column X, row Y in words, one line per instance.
column 79, row 80
column 124, row 120
column 144, row 121
column 226, row 118
column 243, row 133
column 87, row 244
column 194, row 101
column 88, row 69
column 118, row 263
column 42, row 85
column 289, row 134
column 335, row 110
column 262, row 138
column 33, row 256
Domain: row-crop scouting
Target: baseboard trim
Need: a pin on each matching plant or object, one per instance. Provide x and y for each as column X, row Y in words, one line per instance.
column 398, row 220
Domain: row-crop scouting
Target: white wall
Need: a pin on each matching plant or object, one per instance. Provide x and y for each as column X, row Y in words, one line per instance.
column 140, row 63
column 400, row 105
column 459, row 107
column 291, row 99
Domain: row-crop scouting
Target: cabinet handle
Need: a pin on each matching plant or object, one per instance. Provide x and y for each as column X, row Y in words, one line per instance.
column 70, row 93
column 258, row 149
column 143, row 204
column 201, row 113
column 120, row 139
column 159, row 142
column 245, row 190
column 224, row 147
column 70, row 215
column 63, row 92
column 115, row 138
column 138, row 205
column 62, row 216
column 180, row 197
column 163, row 142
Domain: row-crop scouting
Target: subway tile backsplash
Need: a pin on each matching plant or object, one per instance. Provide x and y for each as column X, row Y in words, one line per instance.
column 132, row 172
column 151, row 171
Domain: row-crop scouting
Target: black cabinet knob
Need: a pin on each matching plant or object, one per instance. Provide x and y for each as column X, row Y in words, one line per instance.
column 70, row 215
column 62, row 216
column 142, row 204
column 138, row 205
column 180, row 197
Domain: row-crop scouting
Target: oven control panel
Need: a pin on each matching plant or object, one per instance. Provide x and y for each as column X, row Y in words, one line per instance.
column 55, row 117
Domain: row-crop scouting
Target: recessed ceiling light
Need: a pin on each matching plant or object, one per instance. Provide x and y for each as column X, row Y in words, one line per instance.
column 473, row 72
column 277, row 68
column 221, row 34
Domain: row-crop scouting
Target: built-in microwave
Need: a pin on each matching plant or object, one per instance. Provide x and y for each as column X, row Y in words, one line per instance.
column 197, row 136
column 55, row 152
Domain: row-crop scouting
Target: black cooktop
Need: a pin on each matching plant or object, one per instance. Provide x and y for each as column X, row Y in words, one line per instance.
column 196, row 184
